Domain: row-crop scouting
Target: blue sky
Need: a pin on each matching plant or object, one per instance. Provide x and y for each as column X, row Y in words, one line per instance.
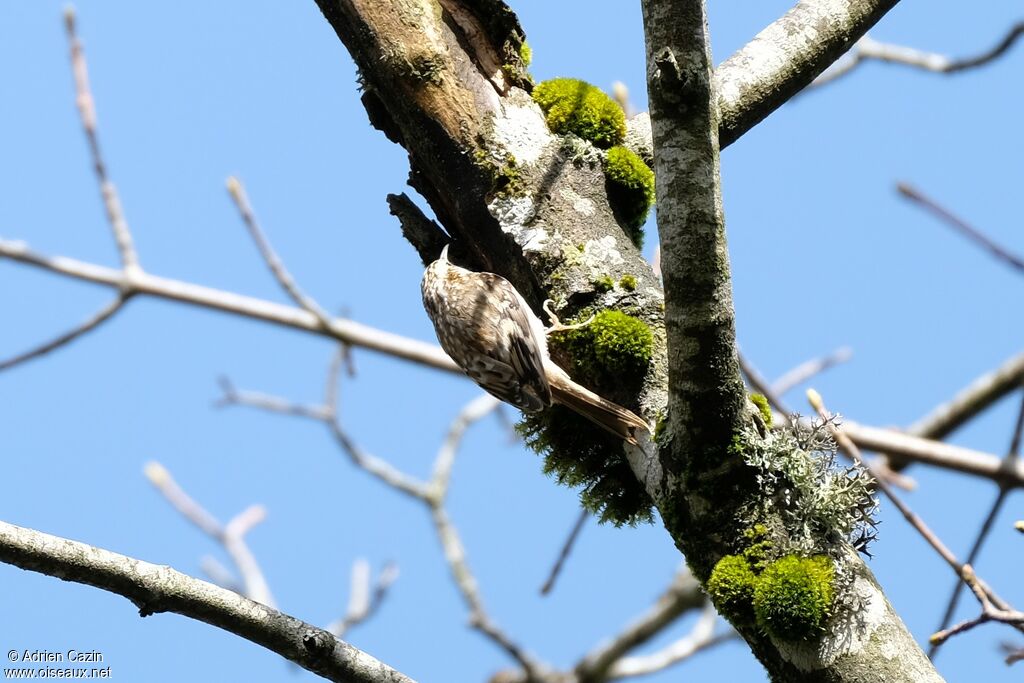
column 824, row 254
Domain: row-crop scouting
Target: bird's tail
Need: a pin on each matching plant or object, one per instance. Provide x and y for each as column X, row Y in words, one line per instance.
column 610, row 416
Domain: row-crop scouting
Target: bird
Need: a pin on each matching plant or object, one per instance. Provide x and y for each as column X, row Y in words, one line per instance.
column 494, row 336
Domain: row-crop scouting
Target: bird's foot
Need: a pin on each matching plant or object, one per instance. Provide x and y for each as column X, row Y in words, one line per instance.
column 556, row 324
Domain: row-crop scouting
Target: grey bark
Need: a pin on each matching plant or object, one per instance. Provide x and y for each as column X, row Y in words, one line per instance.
column 154, row 589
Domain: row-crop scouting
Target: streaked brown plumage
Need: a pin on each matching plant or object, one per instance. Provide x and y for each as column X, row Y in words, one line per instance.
column 487, row 328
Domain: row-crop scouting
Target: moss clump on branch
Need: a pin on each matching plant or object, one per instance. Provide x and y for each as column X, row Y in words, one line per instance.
column 580, row 454
column 761, row 401
column 630, row 186
column 731, row 587
column 613, row 350
column 628, row 282
column 525, row 53
column 793, row 596
column 613, row 347
column 604, row 284
column 574, row 106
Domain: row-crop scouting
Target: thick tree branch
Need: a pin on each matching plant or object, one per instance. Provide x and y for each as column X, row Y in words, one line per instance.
column 706, row 397
column 786, row 56
column 154, row 589
column 707, row 403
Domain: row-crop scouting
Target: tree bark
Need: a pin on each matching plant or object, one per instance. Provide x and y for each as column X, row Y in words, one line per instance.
column 441, row 79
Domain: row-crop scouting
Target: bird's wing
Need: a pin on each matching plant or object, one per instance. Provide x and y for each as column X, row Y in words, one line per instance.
column 508, row 360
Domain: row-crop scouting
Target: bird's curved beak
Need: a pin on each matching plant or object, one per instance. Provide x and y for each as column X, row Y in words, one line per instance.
column 444, row 254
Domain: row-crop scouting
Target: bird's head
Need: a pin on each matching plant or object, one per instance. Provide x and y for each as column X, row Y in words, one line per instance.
column 438, row 272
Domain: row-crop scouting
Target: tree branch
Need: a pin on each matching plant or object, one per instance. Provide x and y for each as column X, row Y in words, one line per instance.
column 868, row 49
column 700, row 638
column 95, row 320
column 347, row 331
column 786, row 56
column 683, row 595
column 986, row 526
column 809, row 369
column 154, row 589
column 87, row 112
column 231, row 535
column 963, row 227
column 706, row 397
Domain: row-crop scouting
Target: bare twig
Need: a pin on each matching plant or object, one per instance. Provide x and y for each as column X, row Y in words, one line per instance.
column 1014, row 653
column 273, row 261
column 809, row 369
column 700, row 638
column 230, row 535
column 154, row 588
column 272, row 404
column 989, row 611
column 431, row 493
column 937, row 453
column 363, row 601
column 993, row 607
column 87, row 112
column 972, row 400
column 683, row 595
column 111, row 202
column 563, row 554
column 867, row 49
column 986, row 526
column 94, row 321
column 962, row 226
column 347, row 331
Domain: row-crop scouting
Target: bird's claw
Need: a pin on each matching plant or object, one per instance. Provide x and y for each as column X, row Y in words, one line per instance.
column 556, row 324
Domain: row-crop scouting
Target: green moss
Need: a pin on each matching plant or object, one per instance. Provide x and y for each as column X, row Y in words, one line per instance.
column 425, row 68
column 574, row 106
column 504, row 172
column 761, row 401
column 793, row 596
column 579, row 454
column 628, row 282
column 731, row 587
column 659, row 426
column 525, row 53
column 759, row 548
column 630, row 186
column 613, row 346
column 611, row 352
column 604, row 284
